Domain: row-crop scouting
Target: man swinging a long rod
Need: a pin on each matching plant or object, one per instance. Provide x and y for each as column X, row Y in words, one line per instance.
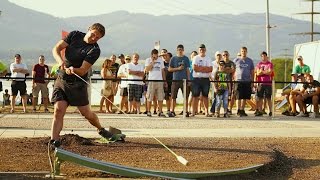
column 81, row 52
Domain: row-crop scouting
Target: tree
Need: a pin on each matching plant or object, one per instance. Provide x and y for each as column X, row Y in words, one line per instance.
column 280, row 70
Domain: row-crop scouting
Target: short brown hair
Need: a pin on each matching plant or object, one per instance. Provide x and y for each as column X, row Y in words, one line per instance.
column 99, row 27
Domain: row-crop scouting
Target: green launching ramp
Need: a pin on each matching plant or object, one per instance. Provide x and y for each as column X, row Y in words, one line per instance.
column 63, row 155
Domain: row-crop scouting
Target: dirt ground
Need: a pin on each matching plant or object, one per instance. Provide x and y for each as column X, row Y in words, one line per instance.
column 285, row 158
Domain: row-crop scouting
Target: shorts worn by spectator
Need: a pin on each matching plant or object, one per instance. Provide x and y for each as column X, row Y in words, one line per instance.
column 18, row 71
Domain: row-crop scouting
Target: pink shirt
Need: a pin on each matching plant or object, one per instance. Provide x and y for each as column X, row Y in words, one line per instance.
column 264, row 66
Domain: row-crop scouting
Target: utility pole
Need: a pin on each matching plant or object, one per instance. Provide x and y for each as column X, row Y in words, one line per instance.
column 312, row 21
column 268, row 31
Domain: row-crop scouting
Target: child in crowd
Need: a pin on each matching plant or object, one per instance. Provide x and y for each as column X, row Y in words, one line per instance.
column 221, row 89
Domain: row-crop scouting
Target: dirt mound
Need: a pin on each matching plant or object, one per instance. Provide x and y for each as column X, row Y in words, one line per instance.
column 75, row 140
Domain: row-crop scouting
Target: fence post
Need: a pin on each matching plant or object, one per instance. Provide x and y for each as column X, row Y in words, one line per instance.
column 184, row 98
column 273, row 98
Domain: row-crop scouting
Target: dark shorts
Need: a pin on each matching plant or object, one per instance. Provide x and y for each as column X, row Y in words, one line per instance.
column 18, row 86
column 175, row 89
column 74, row 92
column 243, row 90
column 135, row 92
column 309, row 100
column 167, row 91
column 264, row 91
column 124, row 92
column 200, row 85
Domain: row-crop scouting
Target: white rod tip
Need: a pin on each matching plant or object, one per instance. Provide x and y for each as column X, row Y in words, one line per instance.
column 182, row 160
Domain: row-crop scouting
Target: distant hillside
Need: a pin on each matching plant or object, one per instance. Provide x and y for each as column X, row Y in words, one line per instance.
column 32, row 33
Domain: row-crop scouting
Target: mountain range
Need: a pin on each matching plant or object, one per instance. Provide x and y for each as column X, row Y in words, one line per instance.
column 32, row 33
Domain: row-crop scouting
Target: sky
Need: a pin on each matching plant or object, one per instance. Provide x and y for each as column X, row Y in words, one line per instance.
column 71, row 8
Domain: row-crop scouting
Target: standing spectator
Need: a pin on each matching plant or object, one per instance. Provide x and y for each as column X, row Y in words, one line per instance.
column 264, row 70
column 122, row 59
column 229, row 68
column 300, row 68
column 155, row 66
column 202, row 68
column 167, row 91
column 123, row 74
column 136, row 71
column 107, row 91
column 221, row 89
column 192, row 55
column 179, row 65
column 19, row 71
column 244, row 75
column 114, row 69
column 40, row 71
column 215, row 67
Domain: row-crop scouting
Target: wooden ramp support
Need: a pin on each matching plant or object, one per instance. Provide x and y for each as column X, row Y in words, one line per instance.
column 111, row 168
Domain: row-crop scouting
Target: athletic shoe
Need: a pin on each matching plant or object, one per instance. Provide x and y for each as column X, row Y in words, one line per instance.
column 161, row 114
column 170, row 114
column 258, row 113
column 181, row 113
column 154, row 112
column 104, row 133
column 270, row 114
column 314, row 115
column 53, row 144
column 229, row 112
column 149, row 114
column 226, row 115
column 301, row 114
column 146, row 112
column 34, row 110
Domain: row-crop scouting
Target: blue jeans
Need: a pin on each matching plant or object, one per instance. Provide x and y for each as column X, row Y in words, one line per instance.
column 223, row 98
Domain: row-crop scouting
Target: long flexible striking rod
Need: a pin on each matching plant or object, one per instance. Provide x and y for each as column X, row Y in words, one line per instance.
column 181, row 159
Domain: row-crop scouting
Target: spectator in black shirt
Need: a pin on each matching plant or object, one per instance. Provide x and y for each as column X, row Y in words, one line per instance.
column 81, row 53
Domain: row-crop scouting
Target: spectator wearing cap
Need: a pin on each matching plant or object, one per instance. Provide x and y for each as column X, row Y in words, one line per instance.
column 122, row 59
column 179, row 65
column 202, row 68
column 123, row 74
column 221, row 89
column 19, row 71
column 229, row 68
column 114, row 69
column 244, row 74
column 215, row 67
column 166, row 56
column 264, row 71
column 300, row 68
column 135, row 71
column 155, row 67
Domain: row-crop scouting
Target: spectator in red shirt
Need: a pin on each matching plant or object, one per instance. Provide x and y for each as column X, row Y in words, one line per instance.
column 40, row 71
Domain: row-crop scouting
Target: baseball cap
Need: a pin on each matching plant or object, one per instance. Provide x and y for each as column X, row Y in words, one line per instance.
column 121, row 56
column 300, row 58
column 127, row 57
column 202, row 46
column 217, row 52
